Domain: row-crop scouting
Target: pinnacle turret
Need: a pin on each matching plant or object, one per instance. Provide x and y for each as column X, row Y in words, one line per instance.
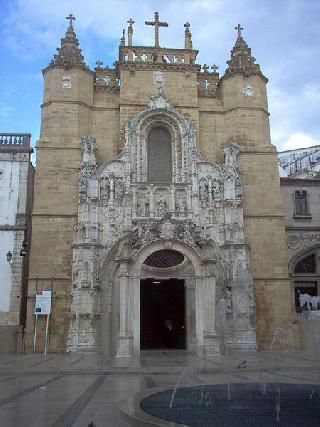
column 241, row 60
column 69, row 54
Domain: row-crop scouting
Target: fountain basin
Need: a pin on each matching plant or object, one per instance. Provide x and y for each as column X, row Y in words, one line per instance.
column 237, row 405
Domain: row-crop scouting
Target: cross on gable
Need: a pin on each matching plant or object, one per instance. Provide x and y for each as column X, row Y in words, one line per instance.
column 99, row 63
column 239, row 29
column 205, row 68
column 214, row 68
column 70, row 18
column 156, row 24
column 130, row 22
column 187, row 25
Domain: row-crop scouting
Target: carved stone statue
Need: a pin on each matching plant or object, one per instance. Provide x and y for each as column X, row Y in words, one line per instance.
column 216, row 190
column 119, row 188
column 105, row 188
column 239, row 190
column 230, row 156
column 181, row 206
column 82, row 187
column 162, row 206
column 203, row 190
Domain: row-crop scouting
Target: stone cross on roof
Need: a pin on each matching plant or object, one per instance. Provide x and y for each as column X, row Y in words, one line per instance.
column 187, row 25
column 130, row 22
column 70, row 18
column 156, row 24
column 239, row 28
column 214, row 68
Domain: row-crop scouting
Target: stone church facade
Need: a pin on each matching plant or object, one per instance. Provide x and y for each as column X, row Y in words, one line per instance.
column 157, row 218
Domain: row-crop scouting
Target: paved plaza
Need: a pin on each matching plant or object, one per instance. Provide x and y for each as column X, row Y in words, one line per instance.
column 62, row 390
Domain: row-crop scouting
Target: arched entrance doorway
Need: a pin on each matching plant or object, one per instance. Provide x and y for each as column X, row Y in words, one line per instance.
column 163, row 300
column 162, row 314
column 187, row 278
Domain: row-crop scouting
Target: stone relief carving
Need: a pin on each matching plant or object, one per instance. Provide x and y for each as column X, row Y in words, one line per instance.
column 303, row 240
column 160, row 101
column 201, row 207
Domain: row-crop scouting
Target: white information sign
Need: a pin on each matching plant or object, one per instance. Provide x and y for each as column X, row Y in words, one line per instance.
column 43, row 303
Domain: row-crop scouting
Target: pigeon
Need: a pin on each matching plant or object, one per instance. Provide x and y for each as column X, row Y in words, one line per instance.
column 242, row 364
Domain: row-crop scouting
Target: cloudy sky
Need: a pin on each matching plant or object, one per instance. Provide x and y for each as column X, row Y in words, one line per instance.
column 284, row 36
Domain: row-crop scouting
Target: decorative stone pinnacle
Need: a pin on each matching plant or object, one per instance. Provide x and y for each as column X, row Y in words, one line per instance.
column 130, row 31
column 239, row 29
column 156, row 24
column 71, row 18
column 123, row 38
column 69, row 54
column 241, row 60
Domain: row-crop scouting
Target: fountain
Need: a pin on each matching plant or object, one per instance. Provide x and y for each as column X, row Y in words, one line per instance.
column 247, row 408
column 194, row 402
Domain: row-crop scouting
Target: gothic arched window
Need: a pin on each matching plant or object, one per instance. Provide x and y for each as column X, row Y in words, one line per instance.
column 159, row 156
column 306, row 265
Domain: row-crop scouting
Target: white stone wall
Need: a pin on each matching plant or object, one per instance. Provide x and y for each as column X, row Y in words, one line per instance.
column 13, row 193
column 6, row 244
column 9, row 191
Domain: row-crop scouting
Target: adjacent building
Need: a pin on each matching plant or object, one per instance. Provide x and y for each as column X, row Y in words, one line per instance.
column 300, row 189
column 16, row 189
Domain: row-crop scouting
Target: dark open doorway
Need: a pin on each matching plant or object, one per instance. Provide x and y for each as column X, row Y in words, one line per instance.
column 162, row 314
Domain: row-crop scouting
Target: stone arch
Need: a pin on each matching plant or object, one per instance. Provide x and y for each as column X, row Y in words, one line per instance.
column 305, row 282
column 125, row 285
column 182, row 137
column 300, row 255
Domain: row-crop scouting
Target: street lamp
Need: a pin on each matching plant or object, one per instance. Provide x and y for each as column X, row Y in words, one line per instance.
column 9, row 257
column 24, row 251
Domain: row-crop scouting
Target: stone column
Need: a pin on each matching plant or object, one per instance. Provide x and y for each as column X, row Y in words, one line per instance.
column 191, row 315
column 172, row 201
column 211, row 340
column 152, row 204
column 199, row 316
column 134, row 201
column 124, row 347
column 135, row 283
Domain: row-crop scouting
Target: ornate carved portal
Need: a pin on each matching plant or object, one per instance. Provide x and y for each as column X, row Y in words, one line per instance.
column 123, row 219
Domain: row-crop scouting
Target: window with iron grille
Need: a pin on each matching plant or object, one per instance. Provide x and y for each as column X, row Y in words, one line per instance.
column 164, row 258
column 301, row 203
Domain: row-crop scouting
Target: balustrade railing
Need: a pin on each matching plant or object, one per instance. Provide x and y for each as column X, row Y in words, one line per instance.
column 152, row 55
column 20, row 139
column 207, row 84
column 107, row 78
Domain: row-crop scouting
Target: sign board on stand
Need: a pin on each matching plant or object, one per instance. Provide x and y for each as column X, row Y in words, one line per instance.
column 42, row 307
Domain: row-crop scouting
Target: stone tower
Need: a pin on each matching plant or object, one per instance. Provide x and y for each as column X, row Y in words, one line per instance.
column 157, row 182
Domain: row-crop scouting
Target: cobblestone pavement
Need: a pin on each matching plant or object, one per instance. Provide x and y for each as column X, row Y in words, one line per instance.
column 78, row 389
